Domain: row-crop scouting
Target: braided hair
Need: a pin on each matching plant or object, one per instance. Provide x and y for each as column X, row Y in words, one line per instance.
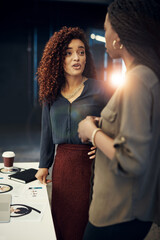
column 137, row 23
column 50, row 72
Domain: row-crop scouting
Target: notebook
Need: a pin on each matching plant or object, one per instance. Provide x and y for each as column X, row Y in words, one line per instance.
column 25, row 176
column 5, row 202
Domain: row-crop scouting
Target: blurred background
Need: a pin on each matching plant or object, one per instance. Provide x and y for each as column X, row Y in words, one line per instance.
column 25, row 28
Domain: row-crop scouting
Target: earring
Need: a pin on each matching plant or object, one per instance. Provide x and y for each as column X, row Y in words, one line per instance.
column 121, row 46
column 114, row 45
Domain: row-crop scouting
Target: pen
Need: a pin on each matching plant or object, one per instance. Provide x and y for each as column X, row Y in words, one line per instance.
column 35, row 187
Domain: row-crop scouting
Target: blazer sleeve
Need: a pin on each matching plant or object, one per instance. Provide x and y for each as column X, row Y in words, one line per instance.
column 135, row 133
column 47, row 148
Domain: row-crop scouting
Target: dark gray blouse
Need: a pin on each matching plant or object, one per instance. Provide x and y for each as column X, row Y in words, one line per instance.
column 60, row 120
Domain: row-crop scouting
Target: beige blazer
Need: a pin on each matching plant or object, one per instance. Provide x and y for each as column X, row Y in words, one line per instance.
column 128, row 186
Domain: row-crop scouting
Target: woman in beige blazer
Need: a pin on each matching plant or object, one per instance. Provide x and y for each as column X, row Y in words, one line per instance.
column 126, row 191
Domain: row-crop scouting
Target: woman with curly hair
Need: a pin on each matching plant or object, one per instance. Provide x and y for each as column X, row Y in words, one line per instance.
column 126, row 191
column 69, row 91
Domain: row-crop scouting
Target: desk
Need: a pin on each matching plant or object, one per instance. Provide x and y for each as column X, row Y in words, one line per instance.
column 28, row 230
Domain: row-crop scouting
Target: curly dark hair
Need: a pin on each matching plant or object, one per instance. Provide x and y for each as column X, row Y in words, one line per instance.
column 50, row 72
column 137, row 23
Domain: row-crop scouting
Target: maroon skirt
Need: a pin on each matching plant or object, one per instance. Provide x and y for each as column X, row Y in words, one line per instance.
column 70, row 190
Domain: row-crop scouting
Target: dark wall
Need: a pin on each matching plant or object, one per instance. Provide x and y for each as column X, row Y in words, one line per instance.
column 18, row 23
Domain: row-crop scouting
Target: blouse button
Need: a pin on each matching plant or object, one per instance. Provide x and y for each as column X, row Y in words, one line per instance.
column 123, row 139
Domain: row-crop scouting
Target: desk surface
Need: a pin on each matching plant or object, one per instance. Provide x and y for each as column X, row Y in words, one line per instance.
column 20, row 229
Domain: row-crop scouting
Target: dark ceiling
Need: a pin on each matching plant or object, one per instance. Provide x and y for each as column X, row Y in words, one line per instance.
column 83, row 1
column 85, row 13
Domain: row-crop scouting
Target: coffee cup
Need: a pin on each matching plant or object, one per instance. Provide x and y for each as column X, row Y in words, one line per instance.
column 8, row 159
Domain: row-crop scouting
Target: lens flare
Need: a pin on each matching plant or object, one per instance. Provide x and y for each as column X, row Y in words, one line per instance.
column 117, row 79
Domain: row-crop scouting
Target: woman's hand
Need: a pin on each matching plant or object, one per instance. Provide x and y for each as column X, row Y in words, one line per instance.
column 92, row 153
column 42, row 174
column 86, row 128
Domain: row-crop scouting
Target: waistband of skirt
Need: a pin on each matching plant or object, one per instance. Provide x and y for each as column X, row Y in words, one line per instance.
column 77, row 147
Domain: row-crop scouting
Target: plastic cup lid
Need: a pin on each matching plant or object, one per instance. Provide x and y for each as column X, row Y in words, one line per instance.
column 8, row 154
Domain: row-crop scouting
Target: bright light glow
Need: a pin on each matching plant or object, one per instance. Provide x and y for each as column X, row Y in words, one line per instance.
column 98, row 37
column 93, row 36
column 117, row 79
